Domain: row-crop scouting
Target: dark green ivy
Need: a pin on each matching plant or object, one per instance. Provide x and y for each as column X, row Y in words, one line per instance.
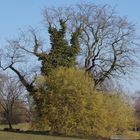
column 62, row 53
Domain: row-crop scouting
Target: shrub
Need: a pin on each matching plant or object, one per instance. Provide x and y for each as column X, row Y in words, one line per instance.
column 71, row 106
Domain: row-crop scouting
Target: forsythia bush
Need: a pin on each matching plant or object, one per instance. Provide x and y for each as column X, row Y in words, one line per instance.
column 71, row 106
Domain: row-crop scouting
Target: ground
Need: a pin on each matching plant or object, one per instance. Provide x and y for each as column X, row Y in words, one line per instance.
column 25, row 126
column 21, row 136
column 16, row 136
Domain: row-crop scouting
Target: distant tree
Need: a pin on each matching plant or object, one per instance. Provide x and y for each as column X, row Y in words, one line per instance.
column 137, row 107
column 10, row 95
column 30, row 108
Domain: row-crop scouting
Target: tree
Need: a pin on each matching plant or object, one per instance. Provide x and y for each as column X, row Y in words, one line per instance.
column 63, row 53
column 71, row 106
column 10, row 94
column 108, row 41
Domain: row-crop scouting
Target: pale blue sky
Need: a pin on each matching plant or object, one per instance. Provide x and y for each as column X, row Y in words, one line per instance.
column 19, row 14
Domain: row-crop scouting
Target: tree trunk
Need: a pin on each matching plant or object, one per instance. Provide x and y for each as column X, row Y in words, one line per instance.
column 10, row 125
column 9, row 121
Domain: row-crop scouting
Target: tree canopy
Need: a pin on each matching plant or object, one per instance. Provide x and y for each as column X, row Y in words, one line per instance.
column 89, row 44
column 108, row 41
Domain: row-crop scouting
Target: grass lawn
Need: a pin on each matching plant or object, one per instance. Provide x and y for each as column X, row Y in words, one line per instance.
column 17, row 136
column 4, row 135
column 21, row 136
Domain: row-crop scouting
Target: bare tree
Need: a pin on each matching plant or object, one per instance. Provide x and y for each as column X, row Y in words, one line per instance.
column 16, row 59
column 108, row 42
column 10, row 94
column 21, row 53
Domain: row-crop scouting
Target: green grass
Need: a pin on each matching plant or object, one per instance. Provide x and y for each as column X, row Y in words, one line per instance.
column 17, row 136
column 22, row 136
column 4, row 135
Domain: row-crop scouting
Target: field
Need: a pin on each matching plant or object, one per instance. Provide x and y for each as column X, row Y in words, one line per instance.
column 16, row 136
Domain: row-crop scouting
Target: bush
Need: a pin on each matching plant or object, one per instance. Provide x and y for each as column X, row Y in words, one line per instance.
column 71, row 106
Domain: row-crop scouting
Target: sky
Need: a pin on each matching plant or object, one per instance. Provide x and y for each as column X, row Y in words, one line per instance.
column 16, row 15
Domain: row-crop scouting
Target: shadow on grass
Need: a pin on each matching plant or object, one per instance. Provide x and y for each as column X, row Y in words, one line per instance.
column 47, row 133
